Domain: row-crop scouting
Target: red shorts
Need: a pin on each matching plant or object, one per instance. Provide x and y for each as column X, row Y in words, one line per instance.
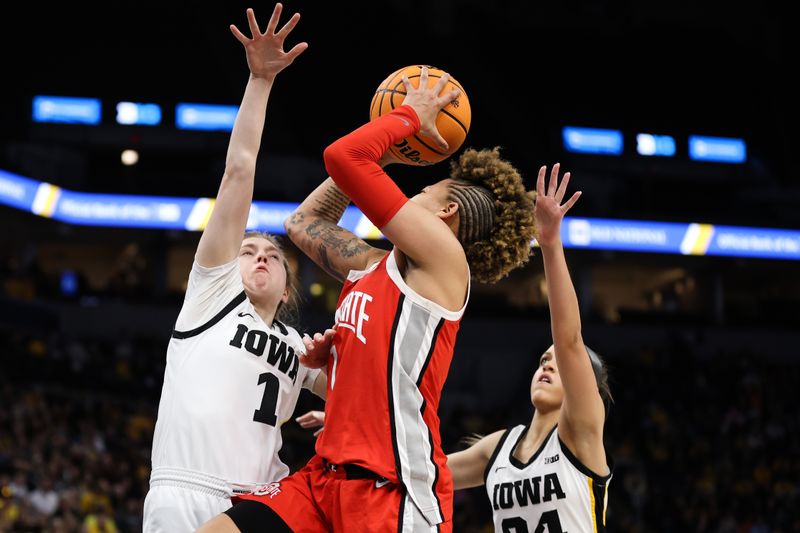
column 321, row 497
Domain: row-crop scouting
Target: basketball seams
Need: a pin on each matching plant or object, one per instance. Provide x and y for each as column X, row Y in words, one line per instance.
column 387, row 81
column 372, row 104
column 443, row 111
column 426, row 145
column 455, row 120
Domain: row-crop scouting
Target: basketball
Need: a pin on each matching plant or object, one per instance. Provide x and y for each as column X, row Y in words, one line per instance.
column 453, row 120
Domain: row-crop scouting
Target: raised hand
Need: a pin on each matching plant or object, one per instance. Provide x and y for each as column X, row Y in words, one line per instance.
column 312, row 420
column 318, row 349
column 427, row 103
column 549, row 211
column 265, row 55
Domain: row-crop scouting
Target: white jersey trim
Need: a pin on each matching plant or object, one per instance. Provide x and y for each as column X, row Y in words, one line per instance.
column 433, row 307
column 414, row 335
column 355, row 275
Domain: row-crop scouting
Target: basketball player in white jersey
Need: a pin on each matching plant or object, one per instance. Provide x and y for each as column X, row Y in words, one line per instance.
column 551, row 475
column 233, row 374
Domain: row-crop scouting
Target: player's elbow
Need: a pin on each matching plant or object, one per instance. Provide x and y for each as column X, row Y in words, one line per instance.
column 288, row 223
column 335, row 160
column 568, row 340
column 240, row 168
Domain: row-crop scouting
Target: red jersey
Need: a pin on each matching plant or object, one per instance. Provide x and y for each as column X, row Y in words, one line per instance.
column 390, row 359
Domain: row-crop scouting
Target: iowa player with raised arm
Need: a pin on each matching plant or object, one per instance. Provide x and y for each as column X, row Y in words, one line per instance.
column 232, row 375
column 551, row 475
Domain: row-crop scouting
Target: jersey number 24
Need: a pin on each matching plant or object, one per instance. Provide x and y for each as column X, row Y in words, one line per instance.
column 519, row 525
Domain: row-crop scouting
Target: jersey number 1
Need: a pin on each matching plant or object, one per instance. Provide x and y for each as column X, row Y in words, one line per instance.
column 269, row 402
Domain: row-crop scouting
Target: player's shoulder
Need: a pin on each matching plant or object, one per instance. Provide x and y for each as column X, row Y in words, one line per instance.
column 489, row 444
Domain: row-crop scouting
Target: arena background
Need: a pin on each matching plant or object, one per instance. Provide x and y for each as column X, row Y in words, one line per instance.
column 703, row 349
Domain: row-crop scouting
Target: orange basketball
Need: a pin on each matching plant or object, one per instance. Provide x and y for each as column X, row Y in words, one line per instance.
column 453, row 120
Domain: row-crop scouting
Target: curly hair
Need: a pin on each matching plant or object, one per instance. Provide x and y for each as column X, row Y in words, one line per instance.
column 496, row 224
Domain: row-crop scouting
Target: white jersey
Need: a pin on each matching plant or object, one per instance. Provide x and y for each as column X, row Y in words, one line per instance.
column 230, row 382
column 553, row 492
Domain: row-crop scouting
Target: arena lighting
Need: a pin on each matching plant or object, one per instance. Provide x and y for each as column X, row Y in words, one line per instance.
column 129, row 157
column 68, row 284
column 717, row 149
column 655, row 145
column 67, row 110
column 205, row 117
column 316, row 289
column 592, row 140
column 162, row 212
column 131, row 113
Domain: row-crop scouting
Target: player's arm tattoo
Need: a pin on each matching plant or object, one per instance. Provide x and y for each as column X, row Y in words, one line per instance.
column 332, row 205
column 314, row 228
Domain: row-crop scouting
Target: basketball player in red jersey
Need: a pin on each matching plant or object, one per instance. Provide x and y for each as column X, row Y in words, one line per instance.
column 379, row 463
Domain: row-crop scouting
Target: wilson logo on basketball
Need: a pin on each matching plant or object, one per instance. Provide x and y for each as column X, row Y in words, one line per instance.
column 407, row 152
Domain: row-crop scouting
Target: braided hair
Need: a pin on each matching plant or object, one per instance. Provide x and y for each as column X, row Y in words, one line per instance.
column 496, row 224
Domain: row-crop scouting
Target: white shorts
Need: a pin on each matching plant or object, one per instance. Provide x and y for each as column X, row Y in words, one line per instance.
column 183, row 500
column 178, row 510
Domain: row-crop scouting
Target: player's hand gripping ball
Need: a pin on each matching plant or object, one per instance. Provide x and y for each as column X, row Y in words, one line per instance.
column 453, row 120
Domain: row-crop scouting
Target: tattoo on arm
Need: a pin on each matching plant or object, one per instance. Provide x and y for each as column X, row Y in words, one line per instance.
column 332, row 205
column 338, row 241
column 297, row 218
column 314, row 228
column 326, row 265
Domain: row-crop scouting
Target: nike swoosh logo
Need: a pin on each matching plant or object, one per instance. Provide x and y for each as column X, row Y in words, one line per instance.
column 243, row 314
column 381, row 482
column 404, row 121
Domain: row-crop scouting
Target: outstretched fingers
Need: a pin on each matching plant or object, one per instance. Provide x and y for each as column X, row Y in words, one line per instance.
column 562, row 188
column 540, row 181
column 567, row 206
column 298, row 49
column 288, row 27
column 440, row 85
column 273, row 20
column 553, row 186
column 251, row 20
column 423, row 78
column 239, row 35
column 449, row 97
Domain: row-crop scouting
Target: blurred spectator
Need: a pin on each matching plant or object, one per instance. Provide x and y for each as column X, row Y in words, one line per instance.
column 44, row 498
